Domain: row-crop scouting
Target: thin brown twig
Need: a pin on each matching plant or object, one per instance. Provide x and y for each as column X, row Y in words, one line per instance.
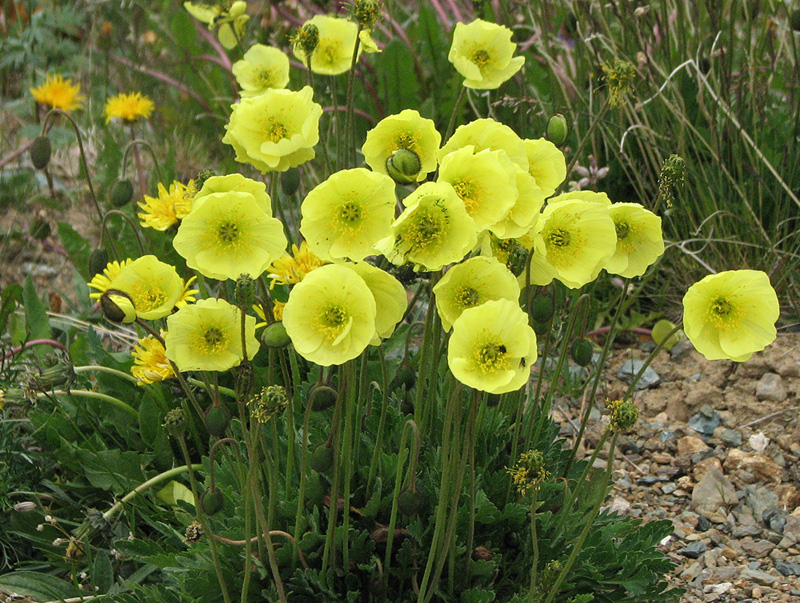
column 769, row 416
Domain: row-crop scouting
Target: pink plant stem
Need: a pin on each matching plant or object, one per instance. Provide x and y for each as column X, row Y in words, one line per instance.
column 455, row 9
column 606, row 330
column 30, row 344
column 14, row 154
column 442, row 15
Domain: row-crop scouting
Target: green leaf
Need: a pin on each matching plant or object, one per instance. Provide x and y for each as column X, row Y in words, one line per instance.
column 112, row 470
column 485, row 511
column 38, row 586
column 77, row 248
column 398, row 82
column 102, row 572
column 183, row 29
column 660, row 331
column 477, row 595
column 149, row 421
column 38, row 326
column 9, row 298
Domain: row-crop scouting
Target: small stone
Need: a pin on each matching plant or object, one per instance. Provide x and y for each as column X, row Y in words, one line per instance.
column 759, row 577
column 703, row 525
column 729, row 553
column 788, row 569
column 630, row 368
column 770, row 387
column 758, row 442
column 752, row 468
column 691, row 572
column 712, row 494
column 690, row 444
column 719, row 589
column 619, row 505
column 729, row 437
column 792, row 526
column 756, row 548
column 760, row 500
column 777, row 523
column 702, row 423
column 680, row 349
column 745, row 531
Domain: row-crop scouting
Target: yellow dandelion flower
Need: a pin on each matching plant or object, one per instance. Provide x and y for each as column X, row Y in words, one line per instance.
column 291, row 269
column 102, row 281
column 129, row 107
column 187, row 293
column 58, row 93
column 150, row 363
column 161, row 212
column 731, row 315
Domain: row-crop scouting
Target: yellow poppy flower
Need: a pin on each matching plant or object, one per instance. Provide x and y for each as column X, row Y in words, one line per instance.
column 333, row 53
column 483, row 53
column 486, row 182
column 492, row 347
column 206, row 336
column 640, row 241
column 330, row 315
column 276, row 130
column 150, row 363
column 236, row 183
column 261, row 68
column 407, row 130
column 102, row 281
column 508, row 252
column 576, row 237
column 523, row 214
column 344, row 216
column 228, row 234
column 546, row 163
column 390, row 296
column 433, row 230
column 129, row 107
column 486, row 133
column 153, row 286
column 472, row 283
column 58, row 93
column 161, row 212
column 731, row 315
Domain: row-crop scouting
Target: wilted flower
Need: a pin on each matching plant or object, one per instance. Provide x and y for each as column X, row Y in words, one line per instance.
column 276, row 130
column 731, row 315
column 207, row 336
column 330, row 315
column 407, row 130
column 333, row 52
column 261, row 68
column 472, row 283
column 433, row 230
column 129, row 107
column 58, row 93
column 492, row 347
column 344, row 216
column 229, row 16
column 483, row 53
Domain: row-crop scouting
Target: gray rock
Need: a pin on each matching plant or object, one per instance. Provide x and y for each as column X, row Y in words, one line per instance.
column 759, row 577
column 630, row 368
column 729, row 437
column 777, row 523
column 705, row 423
column 770, row 387
column 680, row 349
column 761, row 501
column 712, row 494
column 744, row 531
column 703, row 524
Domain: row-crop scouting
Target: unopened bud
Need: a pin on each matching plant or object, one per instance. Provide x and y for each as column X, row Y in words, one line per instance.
column 25, row 507
column 245, row 290
column 410, row 501
column 290, row 181
column 322, row 397
column 121, row 192
column 622, row 415
column 40, row 228
column 40, row 152
column 218, row 417
column 403, row 166
column 175, row 422
column 212, row 501
column 117, row 306
column 517, row 259
column 582, row 352
column 321, row 458
column 275, row 336
column 307, row 38
column 366, row 12
column 542, row 308
column 557, row 129
column 98, row 260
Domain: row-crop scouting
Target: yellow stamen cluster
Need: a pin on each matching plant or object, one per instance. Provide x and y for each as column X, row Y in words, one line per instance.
column 529, row 471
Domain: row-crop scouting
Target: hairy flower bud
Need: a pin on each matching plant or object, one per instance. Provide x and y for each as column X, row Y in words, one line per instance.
column 275, row 336
column 582, row 352
column 212, row 501
column 118, row 306
column 40, row 152
column 218, row 417
column 121, row 192
column 403, row 166
column 557, row 129
column 245, row 290
column 175, row 422
column 322, row 397
column 98, row 260
column 290, row 181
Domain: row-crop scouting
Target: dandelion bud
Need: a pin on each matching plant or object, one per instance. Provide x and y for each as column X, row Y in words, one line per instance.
column 410, row 501
column 290, row 181
column 202, row 176
column 98, row 260
column 366, row 12
column 307, row 38
column 322, row 397
column 622, row 415
column 322, row 458
column 403, row 166
column 40, row 152
column 275, row 336
column 218, row 418
column 121, row 192
column 557, row 129
column 175, row 422
column 39, row 228
column 118, row 306
column 582, row 352
column 268, row 403
column 212, row 501
column 244, row 291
